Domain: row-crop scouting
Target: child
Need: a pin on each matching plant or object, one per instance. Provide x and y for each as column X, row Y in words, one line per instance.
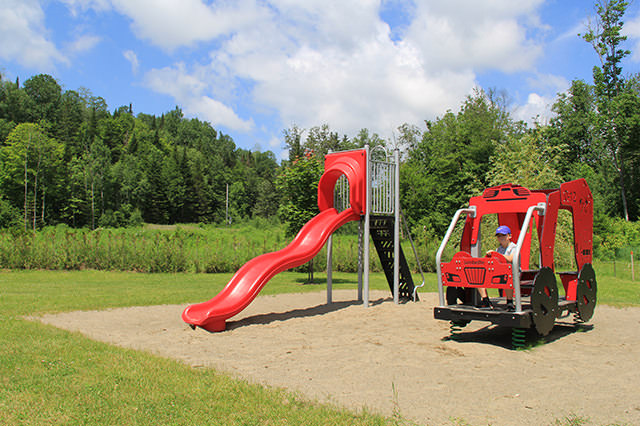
column 507, row 249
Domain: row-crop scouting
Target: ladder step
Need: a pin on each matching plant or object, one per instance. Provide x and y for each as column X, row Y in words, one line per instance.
column 381, row 231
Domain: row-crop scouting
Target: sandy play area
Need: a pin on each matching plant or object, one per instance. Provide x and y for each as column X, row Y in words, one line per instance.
column 391, row 357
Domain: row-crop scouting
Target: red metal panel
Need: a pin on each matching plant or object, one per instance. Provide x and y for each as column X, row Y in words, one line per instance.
column 576, row 197
column 467, row 271
column 548, row 234
column 510, row 202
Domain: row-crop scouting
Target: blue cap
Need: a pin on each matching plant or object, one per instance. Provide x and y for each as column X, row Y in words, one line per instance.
column 503, row 229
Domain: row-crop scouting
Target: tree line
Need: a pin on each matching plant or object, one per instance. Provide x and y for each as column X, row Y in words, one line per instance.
column 65, row 158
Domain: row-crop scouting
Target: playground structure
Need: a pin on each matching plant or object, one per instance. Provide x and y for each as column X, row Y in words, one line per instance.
column 353, row 187
column 537, row 300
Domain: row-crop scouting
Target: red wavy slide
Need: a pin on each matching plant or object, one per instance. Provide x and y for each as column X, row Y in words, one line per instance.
column 251, row 278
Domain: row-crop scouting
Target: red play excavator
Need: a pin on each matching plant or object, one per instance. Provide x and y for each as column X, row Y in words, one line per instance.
column 537, row 302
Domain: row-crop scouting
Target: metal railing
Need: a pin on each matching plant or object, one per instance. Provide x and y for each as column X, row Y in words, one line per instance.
column 341, row 194
column 541, row 208
column 382, row 187
column 471, row 211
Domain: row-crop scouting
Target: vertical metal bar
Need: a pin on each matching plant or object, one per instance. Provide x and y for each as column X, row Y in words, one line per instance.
column 396, row 231
column 330, row 270
column 392, row 187
column 471, row 210
column 360, row 260
column 367, row 223
column 515, row 263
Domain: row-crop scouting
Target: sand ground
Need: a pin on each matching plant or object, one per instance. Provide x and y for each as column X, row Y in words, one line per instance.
column 393, row 357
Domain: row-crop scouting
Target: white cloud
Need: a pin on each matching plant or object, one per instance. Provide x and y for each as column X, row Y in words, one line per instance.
column 83, row 43
column 632, row 31
column 172, row 23
column 548, row 83
column 572, row 33
column 24, row 37
column 537, row 109
column 275, row 142
column 459, row 34
column 216, row 113
column 78, row 6
column 341, row 67
column 191, row 93
column 332, row 61
column 131, row 56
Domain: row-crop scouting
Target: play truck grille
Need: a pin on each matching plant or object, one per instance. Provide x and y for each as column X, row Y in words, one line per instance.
column 475, row 276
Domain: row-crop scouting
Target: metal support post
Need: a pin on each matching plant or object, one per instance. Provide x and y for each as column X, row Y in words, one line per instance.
column 360, row 255
column 330, row 270
column 515, row 268
column 396, row 230
column 367, row 223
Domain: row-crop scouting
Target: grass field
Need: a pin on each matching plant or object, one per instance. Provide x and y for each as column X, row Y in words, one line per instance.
column 54, row 377
column 49, row 376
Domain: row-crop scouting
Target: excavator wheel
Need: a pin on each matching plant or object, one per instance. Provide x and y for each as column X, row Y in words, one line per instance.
column 587, row 293
column 544, row 301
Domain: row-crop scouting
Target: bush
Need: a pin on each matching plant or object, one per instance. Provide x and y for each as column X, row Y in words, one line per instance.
column 9, row 215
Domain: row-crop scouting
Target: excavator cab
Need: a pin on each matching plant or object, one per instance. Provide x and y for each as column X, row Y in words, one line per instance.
column 532, row 216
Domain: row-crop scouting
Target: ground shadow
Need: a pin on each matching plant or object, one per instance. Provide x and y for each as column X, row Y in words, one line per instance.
column 501, row 336
column 318, row 281
column 298, row 313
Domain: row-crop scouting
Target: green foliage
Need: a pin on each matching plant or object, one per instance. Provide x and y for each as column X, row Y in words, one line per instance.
column 9, row 215
column 170, row 248
column 298, row 188
column 451, row 162
column 66, row 159
column 31, row 163
column 618, row 118
column 526, row 161
column 88, row 167
column 571, row 130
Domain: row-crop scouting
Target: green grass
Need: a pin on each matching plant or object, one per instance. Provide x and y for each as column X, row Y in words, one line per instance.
column 50, row 376
column 176, row 248
column 619, row 290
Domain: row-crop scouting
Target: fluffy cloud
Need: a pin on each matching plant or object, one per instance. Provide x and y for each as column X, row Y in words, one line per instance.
column 24, row 37
column 536, row 110
column 632, row 31
column 191, row 93
column 131, row 56
column 170, row 24
column 315, row 62
column 330, row 61
column 459, row 34
column 83, row 43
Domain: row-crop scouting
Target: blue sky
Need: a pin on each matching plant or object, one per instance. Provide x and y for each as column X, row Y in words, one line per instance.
column 253, row 68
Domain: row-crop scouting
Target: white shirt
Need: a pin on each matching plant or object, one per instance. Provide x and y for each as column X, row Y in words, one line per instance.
column 508, row 250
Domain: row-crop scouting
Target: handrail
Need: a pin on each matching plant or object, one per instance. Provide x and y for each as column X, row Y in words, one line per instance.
column 470, row 210
column 515, row 268
column 415, row 253
column 378, row 148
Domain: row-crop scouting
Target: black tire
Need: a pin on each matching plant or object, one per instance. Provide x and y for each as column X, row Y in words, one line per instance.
column 587, row 292
column 544, row 301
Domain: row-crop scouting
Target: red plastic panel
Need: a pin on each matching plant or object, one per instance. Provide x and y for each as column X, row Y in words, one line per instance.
column 352, row 164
